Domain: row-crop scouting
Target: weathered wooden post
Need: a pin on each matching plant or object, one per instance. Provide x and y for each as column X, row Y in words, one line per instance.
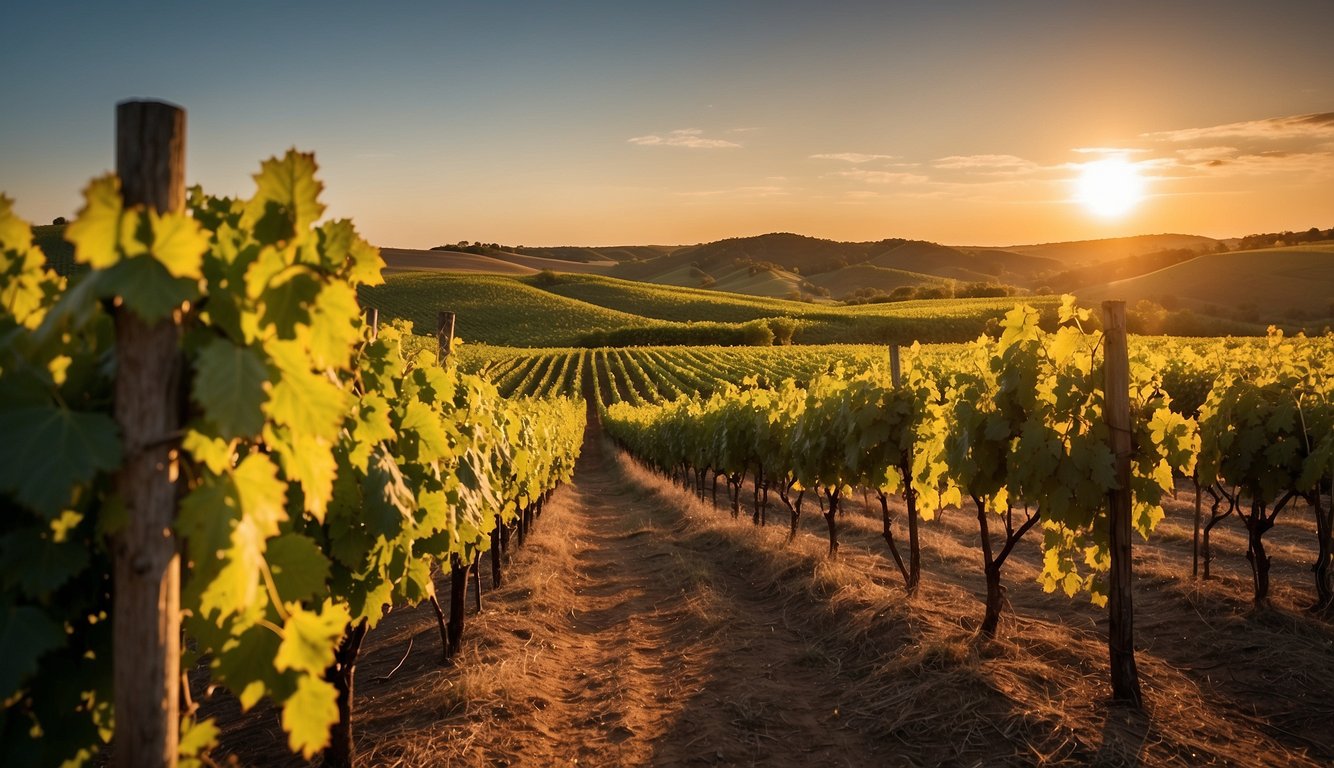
column 150, row 160
column 373, row 322
column 914, row 577
column 1120, row 602
column 444, row 334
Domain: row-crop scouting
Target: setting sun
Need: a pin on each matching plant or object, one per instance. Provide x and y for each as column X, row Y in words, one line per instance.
column 1109, row 187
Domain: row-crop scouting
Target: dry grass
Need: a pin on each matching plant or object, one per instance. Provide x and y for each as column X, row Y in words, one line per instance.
column 642, row 626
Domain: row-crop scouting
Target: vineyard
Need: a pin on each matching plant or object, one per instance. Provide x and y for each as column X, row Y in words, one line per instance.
column 226, row 484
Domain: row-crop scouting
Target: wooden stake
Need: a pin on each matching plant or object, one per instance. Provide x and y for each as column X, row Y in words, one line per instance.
column 1120, row 602
column 444, row 334
column 150, row 159
column 894, row 369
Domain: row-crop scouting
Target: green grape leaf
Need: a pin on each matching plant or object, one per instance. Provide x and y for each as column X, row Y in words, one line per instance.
column 423, row 422
column 308, row 403
column 40, row 564
column 388, row 502
column 287, row 300
column 147, row 288
column 309, row 461
column 211, row 451
column 245, row 664
column 197, row 738
column 178, row 244
column 308, row 714
column 286, row 201
column 48, row 450
column 341, row 247
column 263, row 497
column 309, row 638
column 333, row 326
column 26, row 634
column 300, row 570
column 96, row 232
column 230, row 384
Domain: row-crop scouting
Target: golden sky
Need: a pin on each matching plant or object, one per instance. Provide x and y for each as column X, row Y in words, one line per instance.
column 602, row 123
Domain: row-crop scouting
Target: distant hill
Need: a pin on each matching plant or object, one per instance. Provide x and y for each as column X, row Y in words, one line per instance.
column 495, row 262
column 846, row 281
column 1296, row 282
column 612, row 253
column 1079, row 253
column 407, row 260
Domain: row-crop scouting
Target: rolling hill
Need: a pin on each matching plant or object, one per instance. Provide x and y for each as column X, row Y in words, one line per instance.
column 1273, row 279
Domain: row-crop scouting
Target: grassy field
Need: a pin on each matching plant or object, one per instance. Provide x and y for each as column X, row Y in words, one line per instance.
column 1297, row 277
column 493, row 309
column 578, row 310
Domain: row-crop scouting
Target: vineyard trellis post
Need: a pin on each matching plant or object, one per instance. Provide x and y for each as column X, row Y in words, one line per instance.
column 150, row 160
column 444, row 334
column 894, row 369
column 373, row 321
column 1120, row 603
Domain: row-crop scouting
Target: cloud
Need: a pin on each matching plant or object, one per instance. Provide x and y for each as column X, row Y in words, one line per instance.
column 1313, row 126
column 1230, row 161
column 748, row 191
column 851, row 157
column 690, row 138
column 1295, row 144
column 1108, row 150
column 989, row 164
column 882, row 177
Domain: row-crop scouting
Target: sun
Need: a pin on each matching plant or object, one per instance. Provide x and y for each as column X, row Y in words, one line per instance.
column 1110, row 187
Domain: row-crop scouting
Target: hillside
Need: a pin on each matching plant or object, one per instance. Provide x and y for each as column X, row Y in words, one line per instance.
column 1085, row 252
column 579, row 310
column 1272, row 280
column 407, row 260
column 844, row 282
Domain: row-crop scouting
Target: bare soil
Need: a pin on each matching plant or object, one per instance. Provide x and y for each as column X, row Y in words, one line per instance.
column 640, row 626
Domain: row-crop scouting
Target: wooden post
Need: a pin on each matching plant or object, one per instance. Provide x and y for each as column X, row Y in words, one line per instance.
column 150, row 159
column 444, row 334
column 1120, row 603
column 894, row 370
column 373, row 321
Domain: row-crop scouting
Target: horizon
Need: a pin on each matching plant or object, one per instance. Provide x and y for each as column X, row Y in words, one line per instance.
column 957, row 123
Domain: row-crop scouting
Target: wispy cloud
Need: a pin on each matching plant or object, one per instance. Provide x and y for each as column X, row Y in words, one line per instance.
column 1313, row 126
column 1108, row 150
column 740, row 192
column 1276, row 145
column 690, row 138
column 882, row 177
column 988, row 164
column 851, row 157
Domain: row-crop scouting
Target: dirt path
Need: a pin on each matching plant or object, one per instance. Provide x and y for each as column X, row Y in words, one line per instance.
column 673, row 658
column 617, row 642
column 639, row 626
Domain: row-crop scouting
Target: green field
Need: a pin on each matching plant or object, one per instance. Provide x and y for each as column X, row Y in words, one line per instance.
column 588, row 310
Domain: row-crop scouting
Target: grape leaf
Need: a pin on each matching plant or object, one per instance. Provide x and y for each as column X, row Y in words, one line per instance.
column 286, row 200
column 147, row 288
column 96, row 232
column 48, row 450
column 26, row 634
column 178, row 243
column 309, row 638
column 308, row 714
column 246, row 664
column 230, row 384
column 299, row 568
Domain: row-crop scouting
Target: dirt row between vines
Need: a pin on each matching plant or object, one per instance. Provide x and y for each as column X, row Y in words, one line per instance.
column 640, row 626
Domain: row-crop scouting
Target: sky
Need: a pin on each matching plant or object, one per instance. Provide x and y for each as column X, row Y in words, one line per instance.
column 581, row 123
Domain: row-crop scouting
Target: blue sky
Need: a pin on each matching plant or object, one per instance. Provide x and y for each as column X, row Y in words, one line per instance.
column 600, row 123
